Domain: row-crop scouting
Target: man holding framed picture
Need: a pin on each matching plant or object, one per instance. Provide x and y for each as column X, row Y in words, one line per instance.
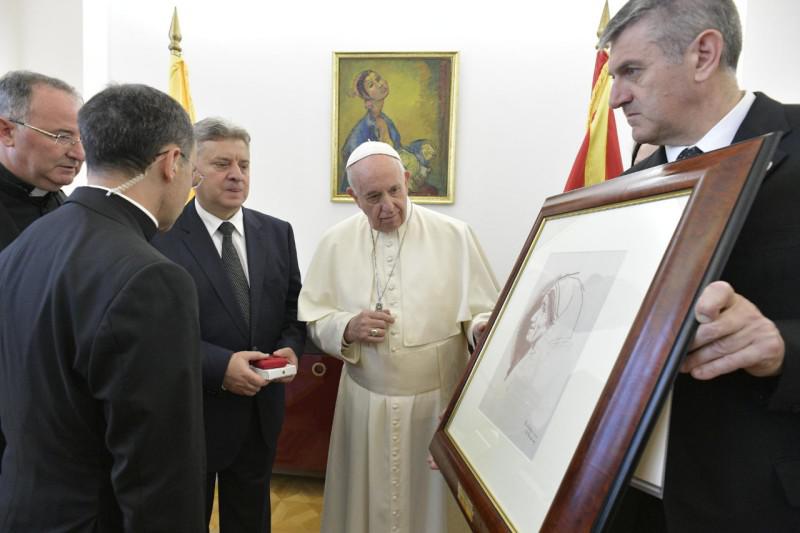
column 733, row 463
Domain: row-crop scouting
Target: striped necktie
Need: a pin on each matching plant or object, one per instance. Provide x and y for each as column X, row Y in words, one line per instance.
column 233, row 266
column 689, row 152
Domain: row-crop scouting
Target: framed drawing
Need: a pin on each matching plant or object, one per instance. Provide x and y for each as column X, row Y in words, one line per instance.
column 546, row 426
column 404, row 99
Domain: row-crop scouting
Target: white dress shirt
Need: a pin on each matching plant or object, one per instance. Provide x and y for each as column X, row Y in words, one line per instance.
column 212, row 223
column 723, row 132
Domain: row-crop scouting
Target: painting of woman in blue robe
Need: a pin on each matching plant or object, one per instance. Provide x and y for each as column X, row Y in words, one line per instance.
column 373, row 89
column 417, row 119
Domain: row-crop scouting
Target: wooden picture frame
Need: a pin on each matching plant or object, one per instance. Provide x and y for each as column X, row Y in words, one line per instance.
column 406, row 99
column 584, row 344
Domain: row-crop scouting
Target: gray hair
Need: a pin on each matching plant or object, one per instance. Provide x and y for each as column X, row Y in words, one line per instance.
column 16, row 88
column 124, row 127
column 218, row 129
column 676, row 23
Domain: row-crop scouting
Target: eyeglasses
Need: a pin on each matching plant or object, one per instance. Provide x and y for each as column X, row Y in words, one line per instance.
column 197, row 178
column 180, row 153
column 64, row 139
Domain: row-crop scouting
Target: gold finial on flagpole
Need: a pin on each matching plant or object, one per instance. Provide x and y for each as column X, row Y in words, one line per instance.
column 175, row 34
column 603, row 20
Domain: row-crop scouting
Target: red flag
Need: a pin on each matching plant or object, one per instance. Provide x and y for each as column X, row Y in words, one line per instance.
column 598, row 158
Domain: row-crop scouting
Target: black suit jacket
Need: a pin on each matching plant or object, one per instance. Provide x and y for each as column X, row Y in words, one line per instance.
column 274, row 288
column 17, row 211
column 8, row 227
column 100, row 376
column 733, row 460
column 11, row 228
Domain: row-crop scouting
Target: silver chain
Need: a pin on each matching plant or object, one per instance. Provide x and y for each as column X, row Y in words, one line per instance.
column 378, row 292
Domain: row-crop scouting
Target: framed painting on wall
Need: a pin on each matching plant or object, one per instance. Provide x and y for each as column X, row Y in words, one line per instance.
column 556, row 405
column 406, row 99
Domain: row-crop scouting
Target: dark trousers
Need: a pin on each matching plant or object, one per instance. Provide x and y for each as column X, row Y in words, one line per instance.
column 243, row 486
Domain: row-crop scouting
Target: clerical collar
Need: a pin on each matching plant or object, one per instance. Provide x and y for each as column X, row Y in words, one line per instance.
column 14, row 185
column 212, row 221
column 142, row 208
column 723, row 132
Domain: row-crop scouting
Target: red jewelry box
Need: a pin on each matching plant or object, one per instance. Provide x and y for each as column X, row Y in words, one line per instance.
column 274, row 361
column 274, row 367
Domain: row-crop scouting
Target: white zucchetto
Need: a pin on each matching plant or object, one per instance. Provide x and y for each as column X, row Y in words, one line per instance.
column 369, row 148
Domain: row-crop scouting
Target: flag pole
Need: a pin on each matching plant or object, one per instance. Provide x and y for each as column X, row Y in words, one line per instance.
column 178, row 71
column 178, row 79
column 175, row 33
column 598, row 158
column 604, row 18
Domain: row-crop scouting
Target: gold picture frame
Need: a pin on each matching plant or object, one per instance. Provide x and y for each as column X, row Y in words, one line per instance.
column 407, row 99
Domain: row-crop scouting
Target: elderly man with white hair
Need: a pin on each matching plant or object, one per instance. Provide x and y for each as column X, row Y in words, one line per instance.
column 397, row 292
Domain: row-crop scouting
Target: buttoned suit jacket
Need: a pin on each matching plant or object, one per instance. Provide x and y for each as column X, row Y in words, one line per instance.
column 274, row 288
column 733, row 459
column 100, row 381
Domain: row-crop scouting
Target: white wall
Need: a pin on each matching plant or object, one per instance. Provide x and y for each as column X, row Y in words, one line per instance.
column 49, row 38
column 771, row 50
column 524, row 83
column 268, row 66
column 9, row 35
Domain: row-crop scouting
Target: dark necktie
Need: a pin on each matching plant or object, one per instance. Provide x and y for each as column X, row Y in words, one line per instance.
column 689, row 152
column 233, row 266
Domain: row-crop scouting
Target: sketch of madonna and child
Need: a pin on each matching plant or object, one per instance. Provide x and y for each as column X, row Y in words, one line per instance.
column 546, row 346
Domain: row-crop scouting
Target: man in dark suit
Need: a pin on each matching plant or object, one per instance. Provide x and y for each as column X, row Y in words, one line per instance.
column 100, row 389
column 733, row 460
column 40, row 151
column 244, row 264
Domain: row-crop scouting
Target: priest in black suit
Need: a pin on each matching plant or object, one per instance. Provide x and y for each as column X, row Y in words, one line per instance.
column 733, row 459
column 100, row 389
column 40, row 151
column 244, row 264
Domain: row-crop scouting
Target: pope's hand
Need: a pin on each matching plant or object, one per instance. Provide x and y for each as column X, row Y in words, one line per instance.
column 368, row 326
column 478, row 331
column 733, row 335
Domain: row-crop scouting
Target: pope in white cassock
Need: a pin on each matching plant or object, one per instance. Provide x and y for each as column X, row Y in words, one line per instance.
column 396, row 292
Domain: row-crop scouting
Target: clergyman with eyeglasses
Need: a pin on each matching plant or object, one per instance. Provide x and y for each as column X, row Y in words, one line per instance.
column 40, row 149
column 100, row 365
column 35, row 163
